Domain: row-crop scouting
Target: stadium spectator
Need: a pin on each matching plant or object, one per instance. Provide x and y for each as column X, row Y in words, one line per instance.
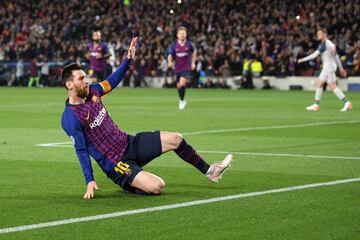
column 33, row 73
column 20, row 73
column 265, row 28
column 141, row 68
column 44, row 66
column 222, row 84
column 248, row 73
column 210, row 83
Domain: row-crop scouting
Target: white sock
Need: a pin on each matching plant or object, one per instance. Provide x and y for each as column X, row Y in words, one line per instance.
column 318, row 94
column 339, row 93
column 210, row 170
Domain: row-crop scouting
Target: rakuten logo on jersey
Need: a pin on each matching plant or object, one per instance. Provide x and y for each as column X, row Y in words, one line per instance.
column 182, row 54
column 99, row 119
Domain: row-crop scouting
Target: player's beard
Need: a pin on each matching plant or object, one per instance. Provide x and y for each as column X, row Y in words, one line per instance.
column 82, row 92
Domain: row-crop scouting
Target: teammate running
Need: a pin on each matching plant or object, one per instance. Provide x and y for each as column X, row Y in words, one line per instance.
column 120, row 156
column 331, row 61
column 97, row 54
column 184, row 54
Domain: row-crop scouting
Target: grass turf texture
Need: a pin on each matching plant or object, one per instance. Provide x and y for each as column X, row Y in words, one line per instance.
column 41, row 184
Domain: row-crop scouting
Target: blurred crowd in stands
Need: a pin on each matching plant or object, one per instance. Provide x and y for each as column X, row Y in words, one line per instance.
column 38, row 37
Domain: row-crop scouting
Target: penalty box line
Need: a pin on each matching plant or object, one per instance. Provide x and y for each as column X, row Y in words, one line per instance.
column 173, row 206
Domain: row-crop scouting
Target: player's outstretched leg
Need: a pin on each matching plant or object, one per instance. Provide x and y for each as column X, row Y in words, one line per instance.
column 174, row 141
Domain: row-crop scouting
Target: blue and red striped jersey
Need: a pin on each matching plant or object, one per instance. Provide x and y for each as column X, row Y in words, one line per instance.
column 182, row 55
column 96, row 63
column 92, row 130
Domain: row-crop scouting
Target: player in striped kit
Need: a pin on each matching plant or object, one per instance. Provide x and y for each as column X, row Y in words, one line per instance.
column 331, row 61
column 183, row 53
column 120, row 156
column 98, row 52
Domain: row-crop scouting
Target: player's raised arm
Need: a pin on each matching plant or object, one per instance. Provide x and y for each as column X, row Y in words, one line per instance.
column 115, row 78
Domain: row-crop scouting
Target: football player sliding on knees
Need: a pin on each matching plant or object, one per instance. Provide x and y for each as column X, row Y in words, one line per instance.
column 121, row 156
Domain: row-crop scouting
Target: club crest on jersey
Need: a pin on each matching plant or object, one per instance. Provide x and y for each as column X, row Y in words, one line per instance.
column 99, row 119
column 95, row 99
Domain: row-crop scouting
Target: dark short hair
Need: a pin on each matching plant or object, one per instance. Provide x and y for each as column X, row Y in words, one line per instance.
column 181, row 28
column 67, row 71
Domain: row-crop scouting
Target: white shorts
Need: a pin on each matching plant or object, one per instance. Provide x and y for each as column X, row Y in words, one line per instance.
column 327, row 76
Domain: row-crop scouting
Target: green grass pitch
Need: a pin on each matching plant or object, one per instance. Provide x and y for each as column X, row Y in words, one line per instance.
column 43, row 184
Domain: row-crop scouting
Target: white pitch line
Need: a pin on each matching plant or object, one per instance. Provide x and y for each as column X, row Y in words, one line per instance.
column 56, row 144
column 269, row 127
column 173, row 206
column 283, row 155
column 70, row 145
column 65, row 144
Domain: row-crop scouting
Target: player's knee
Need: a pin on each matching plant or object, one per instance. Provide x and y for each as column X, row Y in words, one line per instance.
column 319, row 84
column 177, row 140
column 158, row 187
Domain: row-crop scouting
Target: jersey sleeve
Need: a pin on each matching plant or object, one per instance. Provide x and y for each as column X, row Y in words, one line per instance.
column 74, row 130
column 113, row 80
column 172, row 50
column 322, row 47
column 312, row 56
column 105, row 49
column 338, row 62
column 167, row 52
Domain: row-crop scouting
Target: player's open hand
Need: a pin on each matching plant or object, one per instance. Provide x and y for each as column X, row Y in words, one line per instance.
column 132, row 48
column 90, row 190
column 300, row 60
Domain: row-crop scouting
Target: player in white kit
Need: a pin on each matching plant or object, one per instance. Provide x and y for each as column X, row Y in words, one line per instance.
column 331, row 61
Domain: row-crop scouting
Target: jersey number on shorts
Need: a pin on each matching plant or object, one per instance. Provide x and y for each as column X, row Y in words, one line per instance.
column 123, row 168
